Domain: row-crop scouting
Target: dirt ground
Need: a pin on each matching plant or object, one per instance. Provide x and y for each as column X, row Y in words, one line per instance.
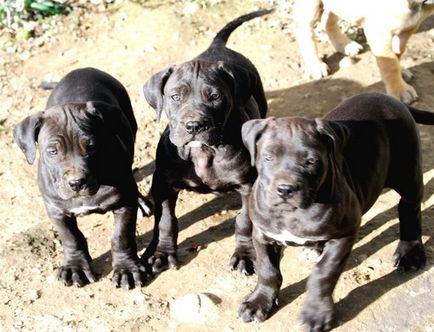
column 132, row 41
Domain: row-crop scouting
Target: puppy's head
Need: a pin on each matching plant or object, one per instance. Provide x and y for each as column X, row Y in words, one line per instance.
column 293, row 157
column 69, row 137
column 200, row 99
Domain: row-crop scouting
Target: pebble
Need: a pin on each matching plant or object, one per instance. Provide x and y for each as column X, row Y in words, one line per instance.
column 362, row 257
column 33, row 295
column 295, row 65
column 346, row 62
column 190, row 8
column 194, row 308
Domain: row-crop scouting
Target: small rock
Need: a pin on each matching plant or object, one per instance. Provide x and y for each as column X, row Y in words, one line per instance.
column 190, row 8
column 33, row 295
column 295, row 65
column 312, row 254
column 346, row 62
column 138, row 296
column 362, row 257
column 334, row 88
column 194, row 308
column 69, row 53
column 376, row 262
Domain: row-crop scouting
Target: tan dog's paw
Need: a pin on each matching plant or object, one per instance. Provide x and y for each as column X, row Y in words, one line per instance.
column 406, row 74
column 352, row 48
column 407, row 94
column 316, row 70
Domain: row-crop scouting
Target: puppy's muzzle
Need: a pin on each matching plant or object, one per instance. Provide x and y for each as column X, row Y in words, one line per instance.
column 195, row 127
column 285, row 190
column 77, row 184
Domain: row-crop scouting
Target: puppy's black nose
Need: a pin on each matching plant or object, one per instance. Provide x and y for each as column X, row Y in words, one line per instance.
column 77, row 184
column 194, row 127
column 286, row 190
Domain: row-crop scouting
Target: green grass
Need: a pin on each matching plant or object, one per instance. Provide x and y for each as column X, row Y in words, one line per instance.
column 15, row 13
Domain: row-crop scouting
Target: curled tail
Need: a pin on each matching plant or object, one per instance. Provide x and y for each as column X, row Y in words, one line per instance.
column 422, row 117
column 223, row 35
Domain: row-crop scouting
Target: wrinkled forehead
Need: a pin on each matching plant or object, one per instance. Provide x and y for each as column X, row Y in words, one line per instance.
column 290, row 134
column 65, row 120
column 193, row 73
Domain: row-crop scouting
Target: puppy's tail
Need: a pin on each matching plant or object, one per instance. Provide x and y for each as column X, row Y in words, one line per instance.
column 223, row 35
column 422, row 117
column 145, row 206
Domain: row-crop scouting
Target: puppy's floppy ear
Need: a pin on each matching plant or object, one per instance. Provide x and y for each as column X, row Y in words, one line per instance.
column 251, row 131
column 153, row 90
column 334, row 135
column 110, row 116
column 26, row 135
column 244, row 81
column 108, row 113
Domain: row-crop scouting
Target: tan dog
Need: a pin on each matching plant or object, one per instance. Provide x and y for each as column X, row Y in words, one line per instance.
column 388, row 24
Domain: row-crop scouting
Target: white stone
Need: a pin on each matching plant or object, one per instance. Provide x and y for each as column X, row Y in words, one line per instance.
column 191, row 8
column 194, row 308
column 346, row 62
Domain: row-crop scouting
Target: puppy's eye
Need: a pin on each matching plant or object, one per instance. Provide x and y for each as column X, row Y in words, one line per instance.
column 91, row 147
column 268, row 157
column 311, row 161
column 52, row 151
column 176, row 97
column 214, row 96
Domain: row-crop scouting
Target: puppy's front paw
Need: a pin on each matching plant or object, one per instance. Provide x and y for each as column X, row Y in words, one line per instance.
column 316, row 70
column 317, row 314
column 243, row 259
column 257, row 307
column 77, row 273
column 161, row 261
column 409, row 255
column 130, row 273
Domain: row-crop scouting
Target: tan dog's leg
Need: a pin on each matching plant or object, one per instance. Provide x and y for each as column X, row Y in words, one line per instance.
column 339, row 40
column 306, row 12
column 388, row 63
column 399, row 43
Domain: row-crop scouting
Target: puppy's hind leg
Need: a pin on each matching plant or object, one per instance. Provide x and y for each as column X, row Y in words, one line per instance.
column 388, row 62
column 339, row 40
column 399, row 43
column 410, row 253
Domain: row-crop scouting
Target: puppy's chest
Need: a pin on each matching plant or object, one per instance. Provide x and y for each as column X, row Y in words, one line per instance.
column 105, row 200
column 218, row 171
column 287, row 238
column 292, row 230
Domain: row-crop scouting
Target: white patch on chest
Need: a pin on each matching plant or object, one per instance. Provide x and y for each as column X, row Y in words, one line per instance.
column 195, row 144
column 286, row 237
column 83, row 209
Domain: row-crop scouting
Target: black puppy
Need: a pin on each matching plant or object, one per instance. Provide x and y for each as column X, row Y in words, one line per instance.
column 206, row 101
column 86, row 143
column 316, row 178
